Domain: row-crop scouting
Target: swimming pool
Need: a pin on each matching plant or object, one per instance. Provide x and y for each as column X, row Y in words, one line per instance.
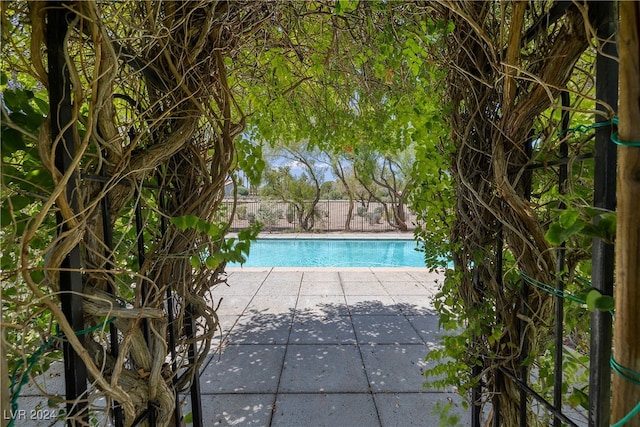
column 333, row 253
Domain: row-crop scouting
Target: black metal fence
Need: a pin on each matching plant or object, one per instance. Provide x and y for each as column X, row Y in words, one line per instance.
column 71, row 281
column 327, row 215
column 599, row 371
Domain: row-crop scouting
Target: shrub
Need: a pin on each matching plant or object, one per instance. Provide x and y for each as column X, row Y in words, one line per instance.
column 241, row 212
column 374, row 218
column 268, row 214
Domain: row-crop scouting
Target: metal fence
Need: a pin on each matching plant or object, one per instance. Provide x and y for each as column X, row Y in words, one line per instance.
column 599, row 388
column 328, row 215
column 78, row 383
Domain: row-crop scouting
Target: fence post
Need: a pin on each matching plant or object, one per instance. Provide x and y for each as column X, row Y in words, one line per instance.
column 107, row 231
column 476, row 370
column 560, row 264
column 63, row 134
column 604, row 196
column 196, row 398
column 177, row 414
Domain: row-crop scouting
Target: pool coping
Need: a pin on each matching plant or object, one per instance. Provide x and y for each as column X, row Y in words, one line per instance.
column 376, row 269
column 336, row 236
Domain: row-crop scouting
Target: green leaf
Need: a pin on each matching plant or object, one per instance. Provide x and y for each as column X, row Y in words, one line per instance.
column 592, row 296
column 37, row 275
column 12, row 141
column 188, row 419
column 214, row 231
column 19, row 202
column 5, row 217
column 579, row 398
column 43, row 105
column 202, row 226
column 607, row 224
column 558, row 234
column 41, row 178
column 554, row 234
column 194, row 261
column 605, row 303
column 243, row 247
column 185, row 221
column 8, row 291
column 212, row 262
column 597, row 301
column 568, row 218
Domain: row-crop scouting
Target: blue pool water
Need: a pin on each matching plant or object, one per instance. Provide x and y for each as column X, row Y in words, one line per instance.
column 333, row 253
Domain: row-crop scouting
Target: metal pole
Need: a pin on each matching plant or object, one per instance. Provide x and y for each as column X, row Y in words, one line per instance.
column 559, row 301
column 144, row 290
column 196, row 398
column 604, row 196
column 118, row 415
column 499, row 379
column 62, row 133
column 476, row 371
column 177, row 415
column 522, row 327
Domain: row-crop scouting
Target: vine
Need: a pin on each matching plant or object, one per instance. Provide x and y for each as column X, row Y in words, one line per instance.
column 507, row 66
column 156, row 121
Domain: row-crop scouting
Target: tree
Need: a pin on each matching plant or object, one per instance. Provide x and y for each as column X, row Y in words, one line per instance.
column 390, row 176
column 339, row 169
column 301, row 192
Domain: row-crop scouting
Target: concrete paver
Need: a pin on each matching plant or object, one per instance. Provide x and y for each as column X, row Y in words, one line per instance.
column 239, row 409
column 325, row 330
column 372, row 304
column 326, row 410
column 372, row 329
column 395, row 367
column 323, row 368
column 322, row 305
column 253, row 368
column 261, row 328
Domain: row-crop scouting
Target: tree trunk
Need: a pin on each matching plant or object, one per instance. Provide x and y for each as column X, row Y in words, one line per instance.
column 626, row 395
column 347, row 222
column 400, row 217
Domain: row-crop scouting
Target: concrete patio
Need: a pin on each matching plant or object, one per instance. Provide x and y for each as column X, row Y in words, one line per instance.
column 319, row 347
column 313, row 347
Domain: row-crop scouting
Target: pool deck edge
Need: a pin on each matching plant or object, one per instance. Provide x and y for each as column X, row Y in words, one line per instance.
column 392, row 235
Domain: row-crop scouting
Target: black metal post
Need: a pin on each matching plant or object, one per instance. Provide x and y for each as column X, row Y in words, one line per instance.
column 524, row 292
column 524, row 372
column 604, row 196
column 476, row 371
column 172, row 323
column 498, row 374
column 196, row 399
column 144, row 290
column 62, row 134
column 118, row 416
column 559, row 301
